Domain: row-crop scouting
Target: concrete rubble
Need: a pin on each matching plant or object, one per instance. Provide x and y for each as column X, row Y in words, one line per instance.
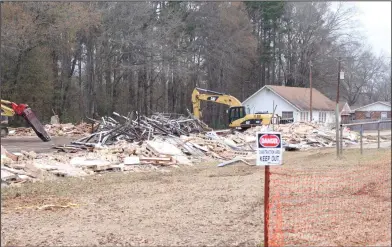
column 143, row 143
column 67, row 129
column 303, row 136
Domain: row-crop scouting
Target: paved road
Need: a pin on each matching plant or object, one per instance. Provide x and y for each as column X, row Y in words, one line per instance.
column 32, row 143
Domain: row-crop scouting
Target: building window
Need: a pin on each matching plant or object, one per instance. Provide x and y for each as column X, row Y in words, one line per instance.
column 304, row 116
column 287, row 114
column 367, row 114
column 322, row 117
column 384, row 115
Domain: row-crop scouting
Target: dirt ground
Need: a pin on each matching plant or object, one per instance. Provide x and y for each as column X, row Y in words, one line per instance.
column 202, row 205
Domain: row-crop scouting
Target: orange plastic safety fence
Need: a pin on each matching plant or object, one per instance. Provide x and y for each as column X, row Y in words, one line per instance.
column 276, row 239
column 338, row 206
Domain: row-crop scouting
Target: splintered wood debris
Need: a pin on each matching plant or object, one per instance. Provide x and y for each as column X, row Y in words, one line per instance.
column 141, row 143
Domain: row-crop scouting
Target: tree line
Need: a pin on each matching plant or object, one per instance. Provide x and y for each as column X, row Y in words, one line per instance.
column 81, row 60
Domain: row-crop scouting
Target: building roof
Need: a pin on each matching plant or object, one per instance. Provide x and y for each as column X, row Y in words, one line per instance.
column 300, row 98
column 356, row 106
column 377, row 102
column 344, row 108
column 341, row 104
column 385, row 103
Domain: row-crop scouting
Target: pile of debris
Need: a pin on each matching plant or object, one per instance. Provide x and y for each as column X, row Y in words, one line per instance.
column 141, row 128
column 161, row 151
column 304, row 135
column 109, row 130
column 125, row 143
column 67, row 129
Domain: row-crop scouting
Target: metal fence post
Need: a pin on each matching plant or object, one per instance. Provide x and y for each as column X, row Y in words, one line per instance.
column 361, row 134
column 378, row 134
column 341, row 139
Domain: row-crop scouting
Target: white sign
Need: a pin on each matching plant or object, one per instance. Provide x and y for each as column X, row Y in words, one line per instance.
column 341, row 75
column 269, row 149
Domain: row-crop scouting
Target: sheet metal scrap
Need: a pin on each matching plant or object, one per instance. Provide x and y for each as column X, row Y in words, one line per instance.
column 119, row 127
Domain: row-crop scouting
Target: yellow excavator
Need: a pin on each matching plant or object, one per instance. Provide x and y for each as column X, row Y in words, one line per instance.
column 10, row 109
column 237, row 113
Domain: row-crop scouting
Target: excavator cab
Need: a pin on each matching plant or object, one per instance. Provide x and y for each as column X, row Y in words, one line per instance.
column 236, row 112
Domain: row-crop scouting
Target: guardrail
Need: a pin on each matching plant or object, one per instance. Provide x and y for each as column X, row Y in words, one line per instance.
column 373, row 124
column 361, row 124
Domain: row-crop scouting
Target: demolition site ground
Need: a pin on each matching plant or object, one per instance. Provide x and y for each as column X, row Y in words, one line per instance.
column 181, row 206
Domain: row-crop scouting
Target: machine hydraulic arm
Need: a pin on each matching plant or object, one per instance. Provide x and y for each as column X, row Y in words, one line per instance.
column 200, row 94
column 9, row 109
column 237, row 116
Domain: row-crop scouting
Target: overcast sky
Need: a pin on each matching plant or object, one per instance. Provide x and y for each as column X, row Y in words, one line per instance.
column 376, row 21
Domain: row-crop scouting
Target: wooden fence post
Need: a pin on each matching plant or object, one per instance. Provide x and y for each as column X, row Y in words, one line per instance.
column 266, row 205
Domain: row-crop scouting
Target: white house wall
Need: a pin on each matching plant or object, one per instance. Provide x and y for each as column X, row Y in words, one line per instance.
column 315, row 116
column 263, row 101
column 329, row 118
column 296, row 115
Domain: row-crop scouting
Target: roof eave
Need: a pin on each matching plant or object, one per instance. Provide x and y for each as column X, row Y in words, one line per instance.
column 371, row 104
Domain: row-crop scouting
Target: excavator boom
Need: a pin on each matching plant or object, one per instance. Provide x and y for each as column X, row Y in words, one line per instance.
column 200, row 94
column 237, row 114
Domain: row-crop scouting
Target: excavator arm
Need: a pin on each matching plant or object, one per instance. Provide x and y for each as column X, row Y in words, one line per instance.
column 10, row 109
column 200, row 94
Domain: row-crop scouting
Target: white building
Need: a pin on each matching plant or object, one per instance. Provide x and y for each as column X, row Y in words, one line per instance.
column 292, row 103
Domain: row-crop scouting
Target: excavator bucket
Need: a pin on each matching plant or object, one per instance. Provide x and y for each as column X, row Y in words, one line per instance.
column 37, row 126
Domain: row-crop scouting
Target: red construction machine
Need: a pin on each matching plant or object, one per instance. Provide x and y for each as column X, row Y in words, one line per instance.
column 9, row 109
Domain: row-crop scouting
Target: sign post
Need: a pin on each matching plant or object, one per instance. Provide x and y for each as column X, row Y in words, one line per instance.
column 269, row 152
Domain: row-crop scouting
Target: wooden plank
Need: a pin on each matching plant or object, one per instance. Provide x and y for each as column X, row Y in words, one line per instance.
column 242, row 153
column 199, row 147
column 14, row 171
column 97, row 168
column 6, row 175
column 231, row 162
column 156, row 159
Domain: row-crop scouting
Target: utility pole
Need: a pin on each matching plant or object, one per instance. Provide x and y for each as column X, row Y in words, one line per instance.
column 1, row 18
column 337, row 111
column 311, row 90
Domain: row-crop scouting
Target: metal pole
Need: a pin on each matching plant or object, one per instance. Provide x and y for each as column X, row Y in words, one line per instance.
column 310, row 85
column 341, row 139
column 337, row 112
column 378, row 135
column 266, row 204
column 1, row 55
column 273, row 114
column 361, row 133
